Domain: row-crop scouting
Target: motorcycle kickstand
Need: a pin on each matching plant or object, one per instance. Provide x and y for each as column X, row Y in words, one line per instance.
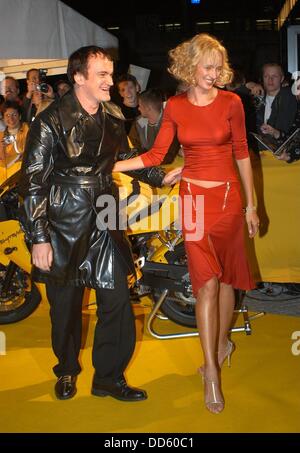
column 154, row 314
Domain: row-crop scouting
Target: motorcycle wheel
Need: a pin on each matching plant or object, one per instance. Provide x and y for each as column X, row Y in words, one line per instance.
column 20, row 300
column 178, row 307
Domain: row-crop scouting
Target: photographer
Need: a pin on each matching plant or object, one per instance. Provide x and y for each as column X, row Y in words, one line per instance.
column 12, row 139
column 38, row 91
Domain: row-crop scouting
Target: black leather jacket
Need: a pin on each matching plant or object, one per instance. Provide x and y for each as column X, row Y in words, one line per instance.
column 67, row 165
column 283, row 111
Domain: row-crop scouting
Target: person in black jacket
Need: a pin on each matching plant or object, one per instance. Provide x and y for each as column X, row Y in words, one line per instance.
column 128, row 88
column 277, row 112
column 71, row 149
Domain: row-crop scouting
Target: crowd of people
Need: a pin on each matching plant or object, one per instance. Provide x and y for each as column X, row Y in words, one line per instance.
column 17, row 111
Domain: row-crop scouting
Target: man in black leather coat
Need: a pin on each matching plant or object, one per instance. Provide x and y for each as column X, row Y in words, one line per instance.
column 70, row 152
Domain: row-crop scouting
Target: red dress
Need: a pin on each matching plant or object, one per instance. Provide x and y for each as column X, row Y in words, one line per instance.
column 212, row 136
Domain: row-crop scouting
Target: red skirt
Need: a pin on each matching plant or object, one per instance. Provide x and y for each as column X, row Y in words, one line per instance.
column 214, row 240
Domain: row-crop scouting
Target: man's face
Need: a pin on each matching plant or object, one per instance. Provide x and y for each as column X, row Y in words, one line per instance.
column 99, row 79
column 33, row 76
column 272, row 78
column 144, row 109
column 128, row 90
column 11, row 90
column 62, row 89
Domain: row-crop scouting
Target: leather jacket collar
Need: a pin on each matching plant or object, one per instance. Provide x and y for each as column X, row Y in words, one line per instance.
column 71, row 111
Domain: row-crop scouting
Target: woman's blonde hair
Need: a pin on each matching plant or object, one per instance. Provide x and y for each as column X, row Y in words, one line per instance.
column 185, row 58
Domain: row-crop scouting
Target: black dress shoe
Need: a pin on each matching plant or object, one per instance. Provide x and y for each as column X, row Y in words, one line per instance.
column 65, row 387
column 119, row 390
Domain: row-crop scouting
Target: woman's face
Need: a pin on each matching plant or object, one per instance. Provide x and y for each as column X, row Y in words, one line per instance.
column 37, row 98
column 12, row 118
column 208, row 70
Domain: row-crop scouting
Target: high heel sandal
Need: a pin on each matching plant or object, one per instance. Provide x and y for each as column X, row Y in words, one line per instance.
column 212, row 403
column 228, row 352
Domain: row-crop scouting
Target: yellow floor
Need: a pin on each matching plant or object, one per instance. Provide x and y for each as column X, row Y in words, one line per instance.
column 262, row 388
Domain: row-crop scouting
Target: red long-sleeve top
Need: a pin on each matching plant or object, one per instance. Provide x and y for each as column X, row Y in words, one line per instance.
column 211, row 136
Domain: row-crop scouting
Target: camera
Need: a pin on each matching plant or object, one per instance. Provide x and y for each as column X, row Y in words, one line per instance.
column 258, row 101
column 8, row 139
column 42, row 86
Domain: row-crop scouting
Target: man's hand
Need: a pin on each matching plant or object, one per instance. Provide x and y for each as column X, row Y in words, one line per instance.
column 267, row 129
column 31, row 87
column 42, row 256
column 284, row 156
column 172, row 177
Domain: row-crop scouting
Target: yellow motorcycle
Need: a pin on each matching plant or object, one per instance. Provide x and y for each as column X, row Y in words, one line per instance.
column 157, row 244
column 19, row 296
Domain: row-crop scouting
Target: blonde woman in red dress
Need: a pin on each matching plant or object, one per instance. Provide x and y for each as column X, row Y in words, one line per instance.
column 210, row 126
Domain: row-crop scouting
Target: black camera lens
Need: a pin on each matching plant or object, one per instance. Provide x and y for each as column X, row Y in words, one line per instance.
column 44, row 87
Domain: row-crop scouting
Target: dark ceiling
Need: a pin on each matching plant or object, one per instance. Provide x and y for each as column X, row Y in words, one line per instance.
column 118, row 13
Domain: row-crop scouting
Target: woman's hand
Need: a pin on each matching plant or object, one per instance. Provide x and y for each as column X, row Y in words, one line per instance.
column 172, row 177
column 252, row 222
column 255, row 88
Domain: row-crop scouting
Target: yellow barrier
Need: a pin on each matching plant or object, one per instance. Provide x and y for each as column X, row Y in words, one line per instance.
column 275, row 252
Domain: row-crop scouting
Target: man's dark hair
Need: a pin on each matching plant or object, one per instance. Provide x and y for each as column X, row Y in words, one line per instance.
column 29, row 71
column 15, row 80
column 153, row 97
column 60, row 81
column 11, row 105
column 127, row 78
column 78, row 61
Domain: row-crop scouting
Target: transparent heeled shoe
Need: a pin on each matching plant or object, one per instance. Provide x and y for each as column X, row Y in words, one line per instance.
column 213, row 399
column 224, row 354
